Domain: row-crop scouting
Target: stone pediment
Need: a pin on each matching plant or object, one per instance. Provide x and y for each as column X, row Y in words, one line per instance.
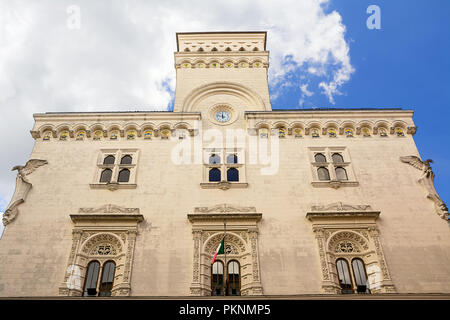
column 109, row 208
column 221, row 211
column 225, row 208
column 339, row 206
column 108, row 212
column 339, row 210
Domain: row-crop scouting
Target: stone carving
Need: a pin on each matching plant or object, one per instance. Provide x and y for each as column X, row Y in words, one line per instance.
column 346, row 247
column 23, row 186
column 224, row 208
column 339, row 206
column 102, row 239
column 109, row 208
column 347, row 236
column 230, row 239
column 427, row 180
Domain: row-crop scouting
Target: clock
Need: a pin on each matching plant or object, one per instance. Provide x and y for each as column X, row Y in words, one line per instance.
column 222, row 116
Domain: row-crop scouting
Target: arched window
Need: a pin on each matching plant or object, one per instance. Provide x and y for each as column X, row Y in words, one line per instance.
column 255, row 49
column 337, row 158
column 228, row 49
column 90, row 282
column 217, row 279
column 187, row 50
column 232, row 158
column 214, row 49
column 232, row 174
column 341, row 174
column 319, row 157
column 107, row 279
column 106, row 175
column 109, row 160
column 345, row 280
column 214, row 175
column 241, row 49
column 359, row 272
column 200, row 49
column 124, row 175
column 234, row 279
column 323, row 174
column 214, row 159
column 126, row 159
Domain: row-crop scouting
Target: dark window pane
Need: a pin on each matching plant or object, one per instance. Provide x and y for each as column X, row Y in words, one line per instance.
column 341, row 174
column 124, row 175
column 106, row 175
column 337, row 158
column 214, row 159
column 233, row 284
column 344, row 276
column 232, row 158
column 109, row 160
column 107, row 279
column 320, row 158
column 359, row 271
column 323, row 174
column 126, row 159
column 233, row 174
column 214, row 175
column 90, row 284
column 217, row 279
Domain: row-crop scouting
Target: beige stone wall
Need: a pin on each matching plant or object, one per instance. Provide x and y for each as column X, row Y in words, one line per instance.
column 36, row 245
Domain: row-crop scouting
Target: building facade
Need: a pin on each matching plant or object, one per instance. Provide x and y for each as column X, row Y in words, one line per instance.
column 325, row 201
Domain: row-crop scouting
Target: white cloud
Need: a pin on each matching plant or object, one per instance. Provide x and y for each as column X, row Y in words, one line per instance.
column 305, row 91
column 122, row 53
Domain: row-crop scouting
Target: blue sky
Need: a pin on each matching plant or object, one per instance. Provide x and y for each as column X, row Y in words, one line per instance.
column 121, row 59
column 405, row 64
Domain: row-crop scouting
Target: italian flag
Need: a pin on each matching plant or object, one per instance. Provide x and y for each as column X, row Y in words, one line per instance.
column 219, row 250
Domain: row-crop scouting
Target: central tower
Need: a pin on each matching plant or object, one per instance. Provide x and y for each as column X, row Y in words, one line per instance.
column 221, row 68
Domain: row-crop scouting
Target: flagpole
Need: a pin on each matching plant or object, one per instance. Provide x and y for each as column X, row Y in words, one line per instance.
column 225, row 269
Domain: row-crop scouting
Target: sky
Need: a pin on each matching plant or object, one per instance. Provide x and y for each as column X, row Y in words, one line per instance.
column 118, row 55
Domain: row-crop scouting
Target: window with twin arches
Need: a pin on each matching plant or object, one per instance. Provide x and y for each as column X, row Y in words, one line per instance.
column 352, row 279
column 226, row 282
column 224, row 165
column 331, row 165
column 99, row 279
column 116, row 167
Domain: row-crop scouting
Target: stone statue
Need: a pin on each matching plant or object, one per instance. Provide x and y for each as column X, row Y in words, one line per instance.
column 426, row 179
column 23, row 186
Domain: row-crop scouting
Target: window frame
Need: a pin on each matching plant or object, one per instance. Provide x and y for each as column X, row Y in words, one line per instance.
column 223, row 166
column 117, row 167
column 331, row 166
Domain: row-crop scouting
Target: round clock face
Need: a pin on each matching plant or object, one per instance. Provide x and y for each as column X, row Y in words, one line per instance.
column 222, row 116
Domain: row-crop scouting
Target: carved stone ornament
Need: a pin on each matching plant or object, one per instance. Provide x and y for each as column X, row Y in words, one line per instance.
column 224, row 208
column 23, row 186
column 109, row 208
column 339, row 206
column 427, row 180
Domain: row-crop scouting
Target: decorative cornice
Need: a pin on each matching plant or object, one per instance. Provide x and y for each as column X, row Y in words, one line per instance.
column 108, row 212
column 109, row 208
column 339, row 206
column 341, row 210
column 221, row 216
column 224, row 208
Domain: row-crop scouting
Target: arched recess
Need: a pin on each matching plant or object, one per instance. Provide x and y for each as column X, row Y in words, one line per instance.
column 106, row 233
column 348, row 232
column 252, row 100
column 241, row 245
